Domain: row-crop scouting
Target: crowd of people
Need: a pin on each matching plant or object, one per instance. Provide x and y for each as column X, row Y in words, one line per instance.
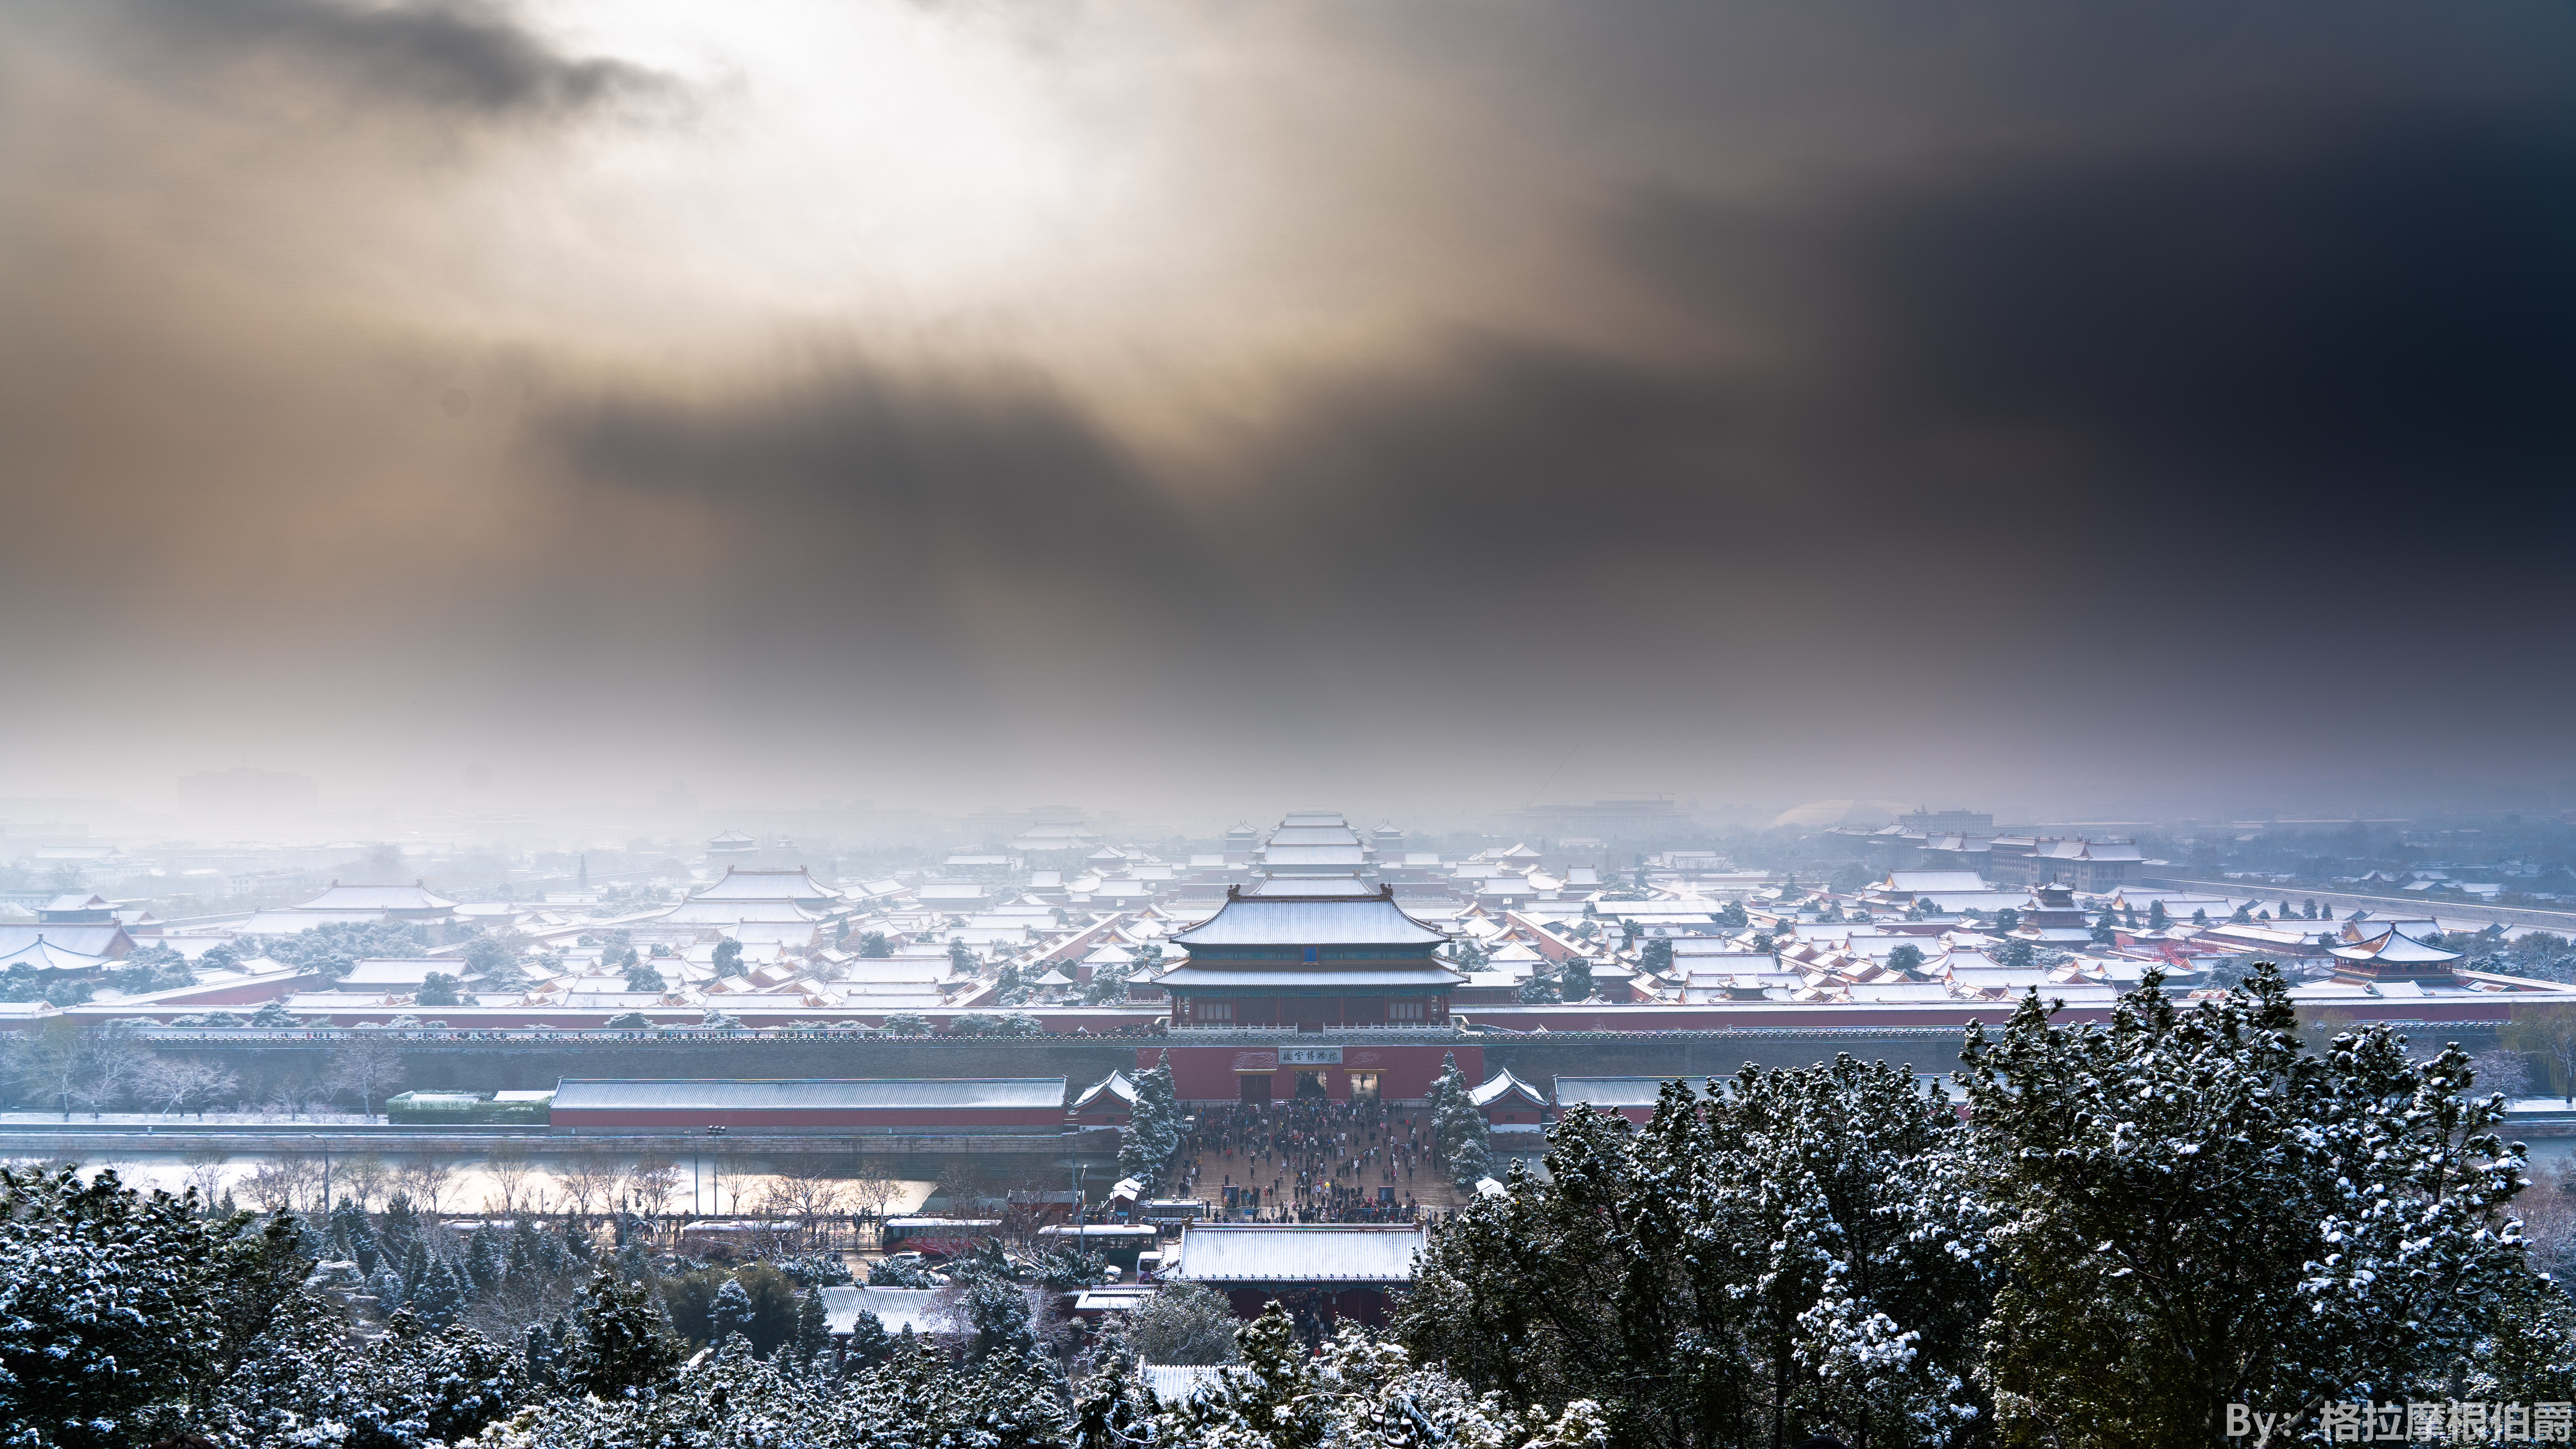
column 1309, row 1160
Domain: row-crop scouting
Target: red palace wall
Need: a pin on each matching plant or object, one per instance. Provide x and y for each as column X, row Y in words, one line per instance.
column 1215, row 1073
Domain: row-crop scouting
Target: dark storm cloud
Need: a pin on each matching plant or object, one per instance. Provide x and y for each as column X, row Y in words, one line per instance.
column 2216, row 359
column 458, row 56
column 2289, row 334
column 966, row 509
column 2187, row 366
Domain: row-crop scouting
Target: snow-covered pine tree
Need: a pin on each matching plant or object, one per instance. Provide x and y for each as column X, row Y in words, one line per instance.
column 812, row 1345
column 1576, row 980
column 999, row 1312
column 541, row 1355
column 1153, row 1130
column 399, row 1229
column 440, row 1295
column 1465, row 1138
column 353, row 1237
column 731, row 1312
column 532, row 1252
column 2203, row 1211
column 388, row 1288
column 486, row 1258
column 103, row 1318
column 869, row 1344
column 622, row 1343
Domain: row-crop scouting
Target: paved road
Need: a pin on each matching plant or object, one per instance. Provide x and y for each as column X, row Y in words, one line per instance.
column 2345, row 902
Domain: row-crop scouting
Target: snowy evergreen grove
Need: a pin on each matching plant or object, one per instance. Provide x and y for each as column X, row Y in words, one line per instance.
column 2130, row 1226
column 128, row 1319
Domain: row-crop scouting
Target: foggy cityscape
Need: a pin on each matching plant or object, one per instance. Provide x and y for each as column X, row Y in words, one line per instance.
column 941, row 722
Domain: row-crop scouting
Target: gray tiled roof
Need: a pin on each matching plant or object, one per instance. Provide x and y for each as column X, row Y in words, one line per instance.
column 376, row 898
column 764, row 885
column 1607, row 1092
column 804, row 1093
column 1315, row 977
column 1312, row 1253
column 1367, row 920
column 896, row 1308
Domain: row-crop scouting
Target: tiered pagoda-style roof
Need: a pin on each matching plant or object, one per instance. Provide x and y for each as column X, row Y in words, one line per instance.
column 414, row 902
column 1314, row 842
column 2390, row 955
column 1333, row 951
column 796, row 885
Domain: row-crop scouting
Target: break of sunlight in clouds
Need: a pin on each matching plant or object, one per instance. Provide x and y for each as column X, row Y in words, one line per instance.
column 1135, row 400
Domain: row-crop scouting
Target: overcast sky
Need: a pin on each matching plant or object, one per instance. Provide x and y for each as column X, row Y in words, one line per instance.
column 1446, row 403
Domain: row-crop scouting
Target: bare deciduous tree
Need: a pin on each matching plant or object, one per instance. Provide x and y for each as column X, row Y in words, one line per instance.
column 206, row 1171
column 60, row 1061
column 426, row 1177
column 282, row 1181
column 652, row 1182
column 2502, row 1070
column 178, row 1086
column 510, row 1167
column 807, row 1192
column 872, row 1189
column 367, row 1070
column 363, row 1177
column 2551, row 1037
column 589, row 1177
column 296, row 1094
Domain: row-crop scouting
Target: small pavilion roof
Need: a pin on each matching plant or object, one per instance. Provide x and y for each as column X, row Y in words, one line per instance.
column 1503, row 1084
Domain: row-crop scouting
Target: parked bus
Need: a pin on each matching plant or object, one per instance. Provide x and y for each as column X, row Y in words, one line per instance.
column 938, row 1237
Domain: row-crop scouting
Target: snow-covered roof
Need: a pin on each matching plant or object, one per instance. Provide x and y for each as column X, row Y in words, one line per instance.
column 1115, row 1085
column 400, row 972
column 1175, row 1383
column 377, row 898
column 1298, row 1253
column 1615, row 1092
column 805, row 1094
column 1921, row 881
column 1503, row 1084
column 1287, row 976
column 1373, row 920
column 44, row 955
column 2396, row 947
column 896, row 1308
column 738, row 884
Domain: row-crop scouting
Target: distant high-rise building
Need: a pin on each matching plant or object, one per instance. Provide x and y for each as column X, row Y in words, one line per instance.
column 1949, row 822
column 1646, row 817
